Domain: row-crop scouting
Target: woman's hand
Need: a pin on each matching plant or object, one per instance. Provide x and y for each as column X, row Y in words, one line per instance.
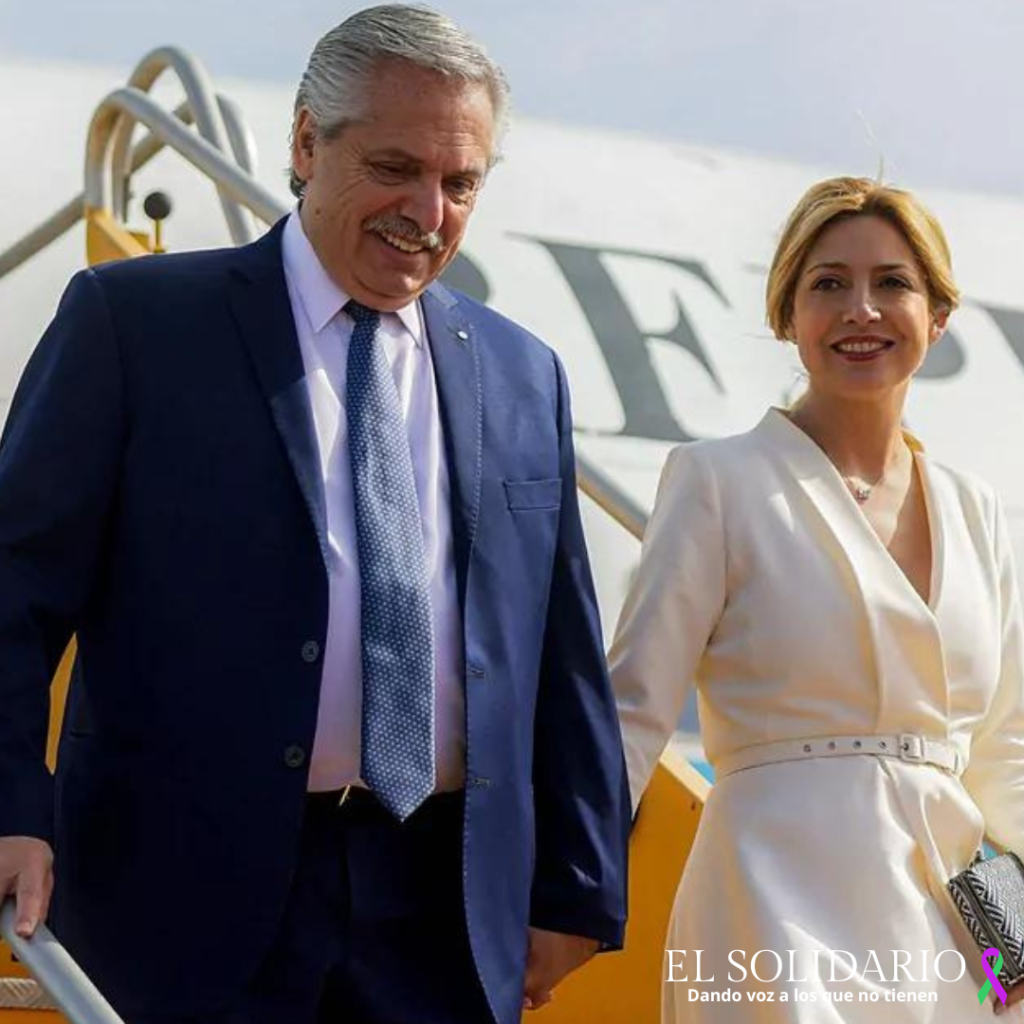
column 551, row 957
column 1013, row 996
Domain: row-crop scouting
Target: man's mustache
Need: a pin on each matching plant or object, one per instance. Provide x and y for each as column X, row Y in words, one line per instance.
column 406, row 229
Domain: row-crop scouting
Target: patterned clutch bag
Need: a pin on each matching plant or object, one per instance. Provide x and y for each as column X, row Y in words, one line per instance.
column 990, row 897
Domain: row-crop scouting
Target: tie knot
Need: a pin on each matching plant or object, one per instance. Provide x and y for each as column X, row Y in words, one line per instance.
column 362, row 314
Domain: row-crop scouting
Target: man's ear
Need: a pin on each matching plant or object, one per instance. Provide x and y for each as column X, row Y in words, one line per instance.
column 939, row 318
column 303, row 139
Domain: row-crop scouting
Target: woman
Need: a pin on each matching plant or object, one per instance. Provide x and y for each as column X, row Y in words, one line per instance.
column 848, row 609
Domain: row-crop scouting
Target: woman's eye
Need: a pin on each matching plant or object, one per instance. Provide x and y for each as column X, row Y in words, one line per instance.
column 895, row 282
column 826, row 284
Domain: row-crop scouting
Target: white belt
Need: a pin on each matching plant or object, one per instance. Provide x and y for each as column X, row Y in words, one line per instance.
column 906, row 746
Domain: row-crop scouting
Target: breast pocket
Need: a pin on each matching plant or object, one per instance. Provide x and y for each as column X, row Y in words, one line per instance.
column 534, row 495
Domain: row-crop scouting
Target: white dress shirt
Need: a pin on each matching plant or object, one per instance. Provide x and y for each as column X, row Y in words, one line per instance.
column 324, row 331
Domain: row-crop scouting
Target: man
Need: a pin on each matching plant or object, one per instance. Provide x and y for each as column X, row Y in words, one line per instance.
column 340, row 744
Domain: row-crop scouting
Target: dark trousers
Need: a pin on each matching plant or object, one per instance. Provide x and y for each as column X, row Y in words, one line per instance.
column 374, row 931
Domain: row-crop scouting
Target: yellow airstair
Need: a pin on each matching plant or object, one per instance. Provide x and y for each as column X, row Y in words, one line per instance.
column 619, row 988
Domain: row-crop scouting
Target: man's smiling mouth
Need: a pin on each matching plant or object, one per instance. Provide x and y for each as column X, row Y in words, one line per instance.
column 402, row 244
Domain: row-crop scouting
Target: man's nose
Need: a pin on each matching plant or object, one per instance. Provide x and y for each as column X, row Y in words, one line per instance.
column 425, row 206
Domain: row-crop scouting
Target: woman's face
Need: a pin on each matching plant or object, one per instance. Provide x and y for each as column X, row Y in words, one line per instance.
column 861, row 316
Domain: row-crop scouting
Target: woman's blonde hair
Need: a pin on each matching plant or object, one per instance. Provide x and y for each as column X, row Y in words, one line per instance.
column 837, row 199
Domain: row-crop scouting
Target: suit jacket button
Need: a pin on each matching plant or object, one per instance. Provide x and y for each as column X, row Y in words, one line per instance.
column 310, row 651
column 294, row 756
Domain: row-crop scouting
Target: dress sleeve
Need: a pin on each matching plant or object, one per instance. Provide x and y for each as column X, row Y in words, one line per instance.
column 995, row 776
column 673, row 605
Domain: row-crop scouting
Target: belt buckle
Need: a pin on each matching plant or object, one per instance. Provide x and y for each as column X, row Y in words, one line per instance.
column 911, row 747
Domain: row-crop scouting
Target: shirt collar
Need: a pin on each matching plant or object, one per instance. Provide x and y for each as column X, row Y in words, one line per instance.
column 319, row 294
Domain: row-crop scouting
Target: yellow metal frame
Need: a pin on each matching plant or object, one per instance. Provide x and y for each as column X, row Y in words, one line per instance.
column 625, row 988
column 29, row 1016
column 614, row 988
column 106, row 240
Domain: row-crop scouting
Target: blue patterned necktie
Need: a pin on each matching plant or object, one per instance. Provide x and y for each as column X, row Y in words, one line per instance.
column 396, row 623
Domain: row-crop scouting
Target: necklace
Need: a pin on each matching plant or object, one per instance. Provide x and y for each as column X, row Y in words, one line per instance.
column 861, row 489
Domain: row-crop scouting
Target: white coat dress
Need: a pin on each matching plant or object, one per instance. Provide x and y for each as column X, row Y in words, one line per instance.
column 762, row 581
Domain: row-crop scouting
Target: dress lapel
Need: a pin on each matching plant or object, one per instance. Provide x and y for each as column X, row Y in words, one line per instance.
column 824, row 485
column 455, row 352
column 936, row 501
column 259, row 301
column 906, row 636
column 836, row 529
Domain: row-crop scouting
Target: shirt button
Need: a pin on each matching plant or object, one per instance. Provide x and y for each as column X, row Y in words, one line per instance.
column 310, row 651
column 294, row 757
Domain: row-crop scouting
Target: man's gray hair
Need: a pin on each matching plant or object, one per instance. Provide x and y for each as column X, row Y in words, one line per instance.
column 333, row 88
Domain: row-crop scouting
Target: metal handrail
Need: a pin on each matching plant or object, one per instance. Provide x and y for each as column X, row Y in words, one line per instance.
column 209, row 121
column 609, row 497
column 51, row 964
column 228, row 176
column 74, row 210
column 240, row 135
column 243, row 144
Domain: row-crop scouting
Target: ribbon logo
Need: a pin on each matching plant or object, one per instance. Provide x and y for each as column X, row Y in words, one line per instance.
column 993, row 976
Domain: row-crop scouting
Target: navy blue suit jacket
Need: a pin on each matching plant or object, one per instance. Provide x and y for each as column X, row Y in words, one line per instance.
column 160, row 496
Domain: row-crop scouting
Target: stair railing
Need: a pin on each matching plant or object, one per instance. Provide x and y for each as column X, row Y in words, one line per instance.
column 52, row 966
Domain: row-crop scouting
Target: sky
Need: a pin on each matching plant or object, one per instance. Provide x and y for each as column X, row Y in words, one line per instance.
column 931, row 90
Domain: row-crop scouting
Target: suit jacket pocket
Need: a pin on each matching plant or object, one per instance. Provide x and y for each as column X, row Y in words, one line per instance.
column 533, row 495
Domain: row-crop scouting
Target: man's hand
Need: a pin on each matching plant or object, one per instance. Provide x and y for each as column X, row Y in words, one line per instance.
column 551, row 957
column 26, row 871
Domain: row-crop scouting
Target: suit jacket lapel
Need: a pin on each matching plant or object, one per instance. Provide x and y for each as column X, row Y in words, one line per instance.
column 259, row 301
column 456, row 357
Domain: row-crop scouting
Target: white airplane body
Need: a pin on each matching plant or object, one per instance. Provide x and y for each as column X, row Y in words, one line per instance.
column 641, row 261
